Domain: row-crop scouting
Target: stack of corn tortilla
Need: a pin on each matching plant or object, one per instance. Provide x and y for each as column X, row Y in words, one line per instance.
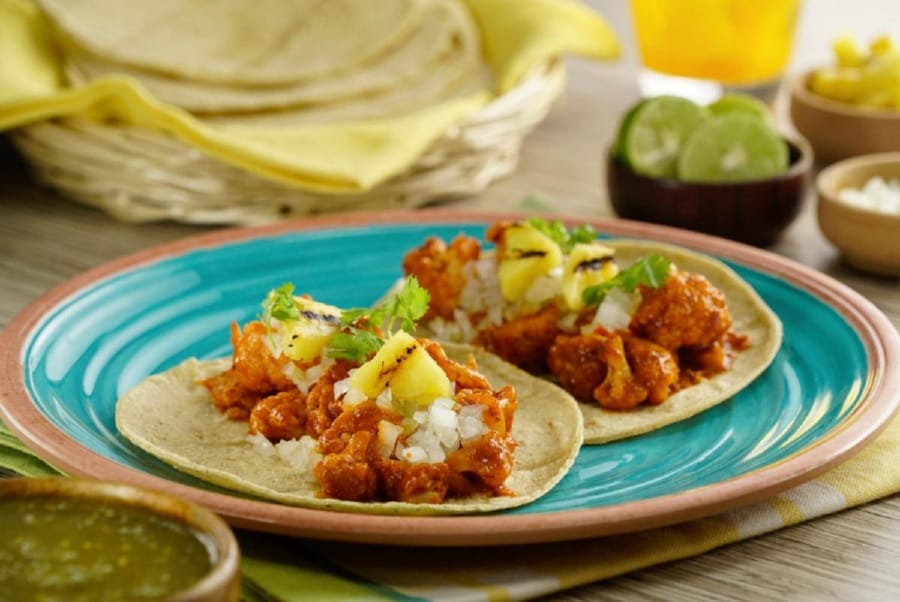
column 277, row 63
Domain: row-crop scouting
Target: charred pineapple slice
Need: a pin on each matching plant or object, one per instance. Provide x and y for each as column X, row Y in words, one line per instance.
column 304, row 338
column 404, row 365
column 587, row 264
column 528, row 254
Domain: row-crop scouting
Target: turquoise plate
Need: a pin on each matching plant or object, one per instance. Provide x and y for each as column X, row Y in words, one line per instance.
column 99, row 337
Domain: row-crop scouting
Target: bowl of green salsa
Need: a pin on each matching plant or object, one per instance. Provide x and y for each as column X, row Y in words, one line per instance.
column 74, row 540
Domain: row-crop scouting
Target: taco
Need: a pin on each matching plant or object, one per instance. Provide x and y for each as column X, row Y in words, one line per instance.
column 642, row 334
column 318, row 408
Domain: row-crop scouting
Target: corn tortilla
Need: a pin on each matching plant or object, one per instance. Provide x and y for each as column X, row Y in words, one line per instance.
column 266, row 42
column 429, row 47
column 460, row 74
column 751, row 317
column 172, row 418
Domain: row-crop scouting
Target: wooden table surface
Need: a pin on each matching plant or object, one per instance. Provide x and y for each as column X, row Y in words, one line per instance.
column 45, row 239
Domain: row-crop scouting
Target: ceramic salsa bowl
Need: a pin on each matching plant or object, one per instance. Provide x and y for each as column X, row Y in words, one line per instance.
column 754, row 212
column 78, row 539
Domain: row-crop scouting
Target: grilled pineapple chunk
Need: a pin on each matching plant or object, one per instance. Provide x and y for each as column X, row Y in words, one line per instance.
column 528, row 254
column 303, row 339
column 587, row 264
column 404, row 365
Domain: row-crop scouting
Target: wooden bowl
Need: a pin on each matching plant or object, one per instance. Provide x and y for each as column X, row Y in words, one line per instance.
column 838, row 130
column 754, row 212
column 221, row 583
column 868, row 239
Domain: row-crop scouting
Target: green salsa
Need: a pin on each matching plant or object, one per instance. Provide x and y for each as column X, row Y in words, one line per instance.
column 53, row 548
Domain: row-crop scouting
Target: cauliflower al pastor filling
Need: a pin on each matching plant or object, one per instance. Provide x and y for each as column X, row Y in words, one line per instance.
column 364, row 408
column 554, row 301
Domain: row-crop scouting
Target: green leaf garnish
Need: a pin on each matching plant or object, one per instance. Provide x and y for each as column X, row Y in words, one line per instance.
column 651, row 271
column 361, row 326
column 354, row 344
column 559, row 234
column 279, row 304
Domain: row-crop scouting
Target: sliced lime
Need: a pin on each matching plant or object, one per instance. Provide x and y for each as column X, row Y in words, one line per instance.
column 656, row 133
column 743, row 104
column 624, row 126
column 731, row 148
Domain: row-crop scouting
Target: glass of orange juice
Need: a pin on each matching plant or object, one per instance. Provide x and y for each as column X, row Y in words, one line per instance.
column 702, row 48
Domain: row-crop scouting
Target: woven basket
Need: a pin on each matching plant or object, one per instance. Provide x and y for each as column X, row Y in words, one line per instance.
column 139, row 175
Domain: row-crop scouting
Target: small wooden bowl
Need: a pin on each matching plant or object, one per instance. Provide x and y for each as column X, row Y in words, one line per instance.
column 754, row 212
column 868, row 239
column 221, row 583
column 838, row 130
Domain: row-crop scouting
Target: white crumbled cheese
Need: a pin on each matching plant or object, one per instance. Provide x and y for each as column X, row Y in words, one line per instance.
column 388, row 433
column 877, row 194
column 261, row 445
column 300, row 454
column 615, row 311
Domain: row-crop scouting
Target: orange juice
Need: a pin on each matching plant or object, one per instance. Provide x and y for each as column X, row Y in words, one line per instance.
column 734, row 42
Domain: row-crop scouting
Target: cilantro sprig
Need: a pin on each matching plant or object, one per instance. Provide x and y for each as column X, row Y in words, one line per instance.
column 561, row 235
column 650, row 270
column 279, row 304
column 362, row 327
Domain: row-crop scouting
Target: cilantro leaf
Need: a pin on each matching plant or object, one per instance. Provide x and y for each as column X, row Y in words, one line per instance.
column 558, row 233
column 407, row 306
column 356, row 345
column 360, row 336
column 279, row 304
column 582, row 234
column 651, row 271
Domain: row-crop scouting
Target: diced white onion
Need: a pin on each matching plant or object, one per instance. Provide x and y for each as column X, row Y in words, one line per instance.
column 297, row 376
column 300, row 454
column 388, row 433
column 341, row 387
column 385, row 399
column 544, row 288
column 615, row 311
column 261, row 445
column 353, row 397
column 414, row 454
column 442, row 417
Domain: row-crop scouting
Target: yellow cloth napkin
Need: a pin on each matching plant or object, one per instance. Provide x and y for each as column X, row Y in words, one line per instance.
column 352, row 157
column 293, row 569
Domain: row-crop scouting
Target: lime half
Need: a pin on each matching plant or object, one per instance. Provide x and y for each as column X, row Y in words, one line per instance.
column 741, row 103
column 655, row 132
column 732, row 148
